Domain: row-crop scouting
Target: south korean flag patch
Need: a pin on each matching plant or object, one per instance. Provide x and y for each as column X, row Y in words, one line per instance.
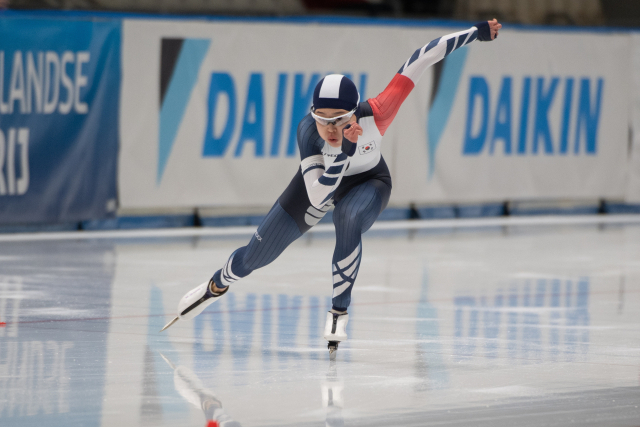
column 367, row 148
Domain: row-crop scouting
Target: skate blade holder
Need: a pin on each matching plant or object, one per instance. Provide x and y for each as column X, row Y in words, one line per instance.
column 333, row 349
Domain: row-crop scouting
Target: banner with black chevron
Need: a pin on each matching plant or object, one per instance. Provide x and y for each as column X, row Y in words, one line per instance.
column 210, row 109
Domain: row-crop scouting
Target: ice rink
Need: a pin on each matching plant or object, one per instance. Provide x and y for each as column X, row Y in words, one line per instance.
column 488, row 326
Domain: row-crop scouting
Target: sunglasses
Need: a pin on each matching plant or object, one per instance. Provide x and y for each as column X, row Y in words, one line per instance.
column 336, row 121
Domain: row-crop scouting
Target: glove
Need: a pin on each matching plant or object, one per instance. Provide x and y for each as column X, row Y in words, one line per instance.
column 348, row 147
column 484, row 31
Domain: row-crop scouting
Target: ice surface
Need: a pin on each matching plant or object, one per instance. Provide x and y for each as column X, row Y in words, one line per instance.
column 503, row 326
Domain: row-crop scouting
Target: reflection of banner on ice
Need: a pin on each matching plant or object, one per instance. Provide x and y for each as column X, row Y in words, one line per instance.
column 59, row 99
column 515, row 321
column 160, row 400
column 430, row 365
column 332, row 399
column 39, row 369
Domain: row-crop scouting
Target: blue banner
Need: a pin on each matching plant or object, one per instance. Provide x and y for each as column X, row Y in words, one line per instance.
column 59, row 97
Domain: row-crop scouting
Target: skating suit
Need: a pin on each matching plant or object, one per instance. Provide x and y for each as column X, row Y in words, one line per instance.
column 358, row 186
column 326, row 174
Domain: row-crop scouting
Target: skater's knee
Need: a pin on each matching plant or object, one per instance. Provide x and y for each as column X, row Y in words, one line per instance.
column 347, row 217
column 361, row 216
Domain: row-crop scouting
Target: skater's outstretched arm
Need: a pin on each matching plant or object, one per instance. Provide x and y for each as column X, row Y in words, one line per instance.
column 386, row 105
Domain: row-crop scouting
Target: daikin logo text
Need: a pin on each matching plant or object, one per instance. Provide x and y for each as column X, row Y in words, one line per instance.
column 533, row 116
column 239, row 124
column 241, row 121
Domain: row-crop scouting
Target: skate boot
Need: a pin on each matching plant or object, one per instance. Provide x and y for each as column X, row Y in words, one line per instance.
column 194, row 301
column 335, row 330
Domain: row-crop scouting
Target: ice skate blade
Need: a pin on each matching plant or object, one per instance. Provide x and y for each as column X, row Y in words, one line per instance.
column 175, row 319
column 333, row 349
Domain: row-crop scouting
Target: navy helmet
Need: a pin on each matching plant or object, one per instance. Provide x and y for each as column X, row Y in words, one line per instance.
column 336, row 91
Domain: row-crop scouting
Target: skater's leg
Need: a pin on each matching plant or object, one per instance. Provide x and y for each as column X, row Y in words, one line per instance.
column 277, row 231
column 354, row 214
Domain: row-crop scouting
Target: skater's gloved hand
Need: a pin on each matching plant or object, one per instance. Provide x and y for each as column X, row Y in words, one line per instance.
column 350, row 135
column 488, row 30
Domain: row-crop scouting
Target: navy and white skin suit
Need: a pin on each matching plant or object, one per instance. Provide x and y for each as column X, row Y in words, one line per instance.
column 357, row 185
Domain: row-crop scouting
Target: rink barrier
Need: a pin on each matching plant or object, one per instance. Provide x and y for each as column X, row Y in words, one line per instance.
column 620, row 208
column 409, row 225
column 40, row 228
column 426, row 213
column 558, row 208
column 481, row 210
column 232, row 220
column 137, row 222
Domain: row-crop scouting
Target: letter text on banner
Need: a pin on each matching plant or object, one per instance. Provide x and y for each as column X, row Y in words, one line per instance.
column 59, row 98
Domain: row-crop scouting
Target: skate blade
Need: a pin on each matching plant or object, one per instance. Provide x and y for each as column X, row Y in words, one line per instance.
column 332, row 355
column 175, row 319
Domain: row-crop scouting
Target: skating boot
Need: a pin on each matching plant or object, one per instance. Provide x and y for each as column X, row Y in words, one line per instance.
column 194, row 301
column 335, row 331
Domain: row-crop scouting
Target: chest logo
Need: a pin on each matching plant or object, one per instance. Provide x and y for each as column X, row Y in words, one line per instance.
column 329, row 154
column 367, row 148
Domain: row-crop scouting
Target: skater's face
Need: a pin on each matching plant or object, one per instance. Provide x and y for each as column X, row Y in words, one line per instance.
column 332, row 133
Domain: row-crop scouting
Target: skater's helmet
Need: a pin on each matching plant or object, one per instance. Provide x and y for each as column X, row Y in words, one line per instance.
column 336, row 91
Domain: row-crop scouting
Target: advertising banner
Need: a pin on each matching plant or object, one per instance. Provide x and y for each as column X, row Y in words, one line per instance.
column 59, row 82
column 533, row 115
column 633, row 188
column 210, row 110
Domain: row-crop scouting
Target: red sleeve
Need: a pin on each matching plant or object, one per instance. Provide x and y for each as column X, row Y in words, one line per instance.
column 386, row 105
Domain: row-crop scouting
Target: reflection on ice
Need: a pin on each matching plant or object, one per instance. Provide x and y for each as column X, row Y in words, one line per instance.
column 430, row 366
column 536, row 322
column 332, row 399
column 286, row 331
column 11, row 295
column 442, row 326
column 159, row 398
column 193, row 391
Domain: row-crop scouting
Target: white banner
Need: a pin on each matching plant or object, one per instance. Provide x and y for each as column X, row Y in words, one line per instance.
column 209, row 112
column 531, row 115
column 181, row 143
column 633, row 189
